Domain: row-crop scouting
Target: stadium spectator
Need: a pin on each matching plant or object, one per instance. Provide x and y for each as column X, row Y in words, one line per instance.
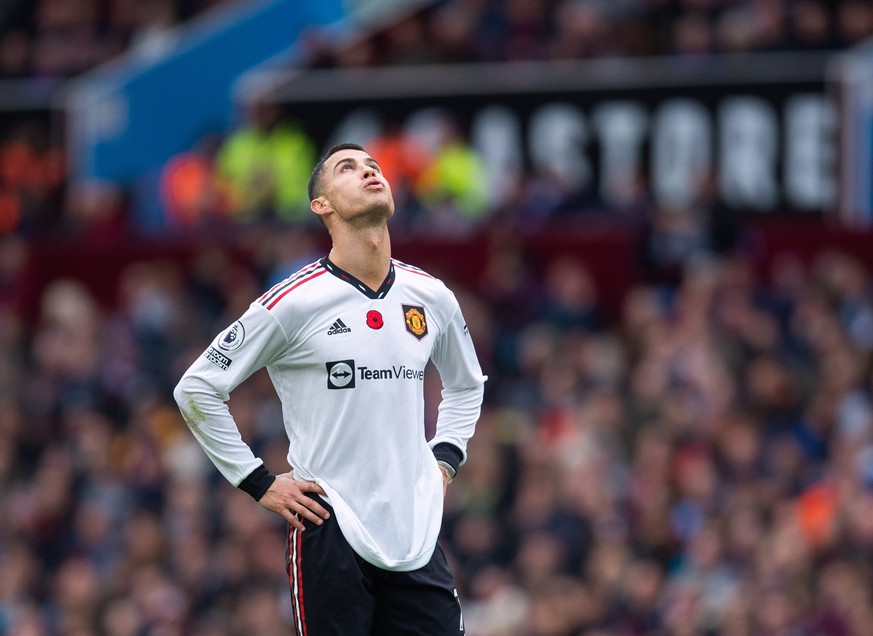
column 854, row 22
column 153, row 34
column 32, row 174
column 582, row 30
column 810, row 26
column 452, row 28
column 264, row 165
column 14, row 54
column 190, row 190
column 453, row 186
column 404, row 159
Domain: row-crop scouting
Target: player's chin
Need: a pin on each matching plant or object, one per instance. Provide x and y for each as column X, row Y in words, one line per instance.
column 381, row 208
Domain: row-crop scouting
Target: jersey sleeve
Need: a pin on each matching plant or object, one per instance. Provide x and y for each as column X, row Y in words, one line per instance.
column 463, row 387
column 249, row 344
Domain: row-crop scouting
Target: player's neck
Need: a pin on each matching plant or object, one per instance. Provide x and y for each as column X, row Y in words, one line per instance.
column 365, row 254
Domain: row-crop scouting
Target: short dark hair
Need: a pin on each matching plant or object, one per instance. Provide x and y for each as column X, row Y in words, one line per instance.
column 314, row 187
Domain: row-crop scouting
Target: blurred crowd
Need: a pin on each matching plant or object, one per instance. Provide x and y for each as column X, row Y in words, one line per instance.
column 257, row 170
column 696, row 459
column 510, row 30
column 698, row 462
column 57, row 40
column 259, row 173
column 63, row 38
column 699, row 465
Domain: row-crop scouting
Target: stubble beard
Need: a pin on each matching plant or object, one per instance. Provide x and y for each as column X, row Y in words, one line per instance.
column 374, row 214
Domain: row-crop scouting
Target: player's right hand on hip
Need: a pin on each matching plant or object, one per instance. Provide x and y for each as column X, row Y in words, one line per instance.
column 287, row 497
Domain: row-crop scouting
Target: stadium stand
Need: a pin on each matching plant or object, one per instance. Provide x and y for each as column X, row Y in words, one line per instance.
column 677, row 437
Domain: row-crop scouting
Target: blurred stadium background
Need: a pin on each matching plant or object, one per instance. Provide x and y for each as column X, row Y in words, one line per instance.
column 657, row 214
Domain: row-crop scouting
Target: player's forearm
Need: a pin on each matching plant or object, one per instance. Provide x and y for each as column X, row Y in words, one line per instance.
column 459, row 411
column 205, row 412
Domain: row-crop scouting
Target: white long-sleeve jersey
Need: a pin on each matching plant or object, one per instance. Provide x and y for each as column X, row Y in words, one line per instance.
column 348, row 365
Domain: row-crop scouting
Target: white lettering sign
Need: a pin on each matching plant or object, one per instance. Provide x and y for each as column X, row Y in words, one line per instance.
column 760, row 158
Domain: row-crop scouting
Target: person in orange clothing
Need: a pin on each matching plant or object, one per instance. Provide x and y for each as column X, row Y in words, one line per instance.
column 403, row 159
column 31, row 173
column 189, row 186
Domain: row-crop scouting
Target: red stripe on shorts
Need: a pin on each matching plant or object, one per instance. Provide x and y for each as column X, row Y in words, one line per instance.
column 295, row 581
column 300, row 585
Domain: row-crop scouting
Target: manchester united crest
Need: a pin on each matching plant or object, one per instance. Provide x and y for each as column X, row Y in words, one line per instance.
column 416, row 323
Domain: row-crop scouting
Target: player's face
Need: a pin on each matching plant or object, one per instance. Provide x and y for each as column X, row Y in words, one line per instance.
column 355, row 186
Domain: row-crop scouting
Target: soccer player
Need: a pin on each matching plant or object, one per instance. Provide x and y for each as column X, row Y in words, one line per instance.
column 346, row 341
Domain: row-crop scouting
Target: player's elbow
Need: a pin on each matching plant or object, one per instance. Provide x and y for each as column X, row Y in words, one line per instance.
column 185, row 394
column 182, row 393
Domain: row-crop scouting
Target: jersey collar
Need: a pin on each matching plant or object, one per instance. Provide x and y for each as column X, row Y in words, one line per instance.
column 354, row 282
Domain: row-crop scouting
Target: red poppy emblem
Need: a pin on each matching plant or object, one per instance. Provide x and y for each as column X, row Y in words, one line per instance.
column 374, row 319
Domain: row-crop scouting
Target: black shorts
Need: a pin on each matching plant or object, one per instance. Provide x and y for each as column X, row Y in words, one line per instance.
column 334, row 592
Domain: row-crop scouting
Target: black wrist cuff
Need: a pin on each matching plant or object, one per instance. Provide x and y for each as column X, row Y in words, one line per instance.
column 448, row 453
column 258, row 482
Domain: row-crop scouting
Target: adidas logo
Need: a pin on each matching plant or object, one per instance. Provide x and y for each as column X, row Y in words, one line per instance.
column 338, row 327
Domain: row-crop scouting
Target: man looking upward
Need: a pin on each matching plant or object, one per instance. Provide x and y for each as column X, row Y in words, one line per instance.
column 346, row 340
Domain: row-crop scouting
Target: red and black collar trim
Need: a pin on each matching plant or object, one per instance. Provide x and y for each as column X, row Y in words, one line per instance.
column 357, row 284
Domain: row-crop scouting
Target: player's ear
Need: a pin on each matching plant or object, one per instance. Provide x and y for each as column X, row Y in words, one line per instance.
column 320, row 206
